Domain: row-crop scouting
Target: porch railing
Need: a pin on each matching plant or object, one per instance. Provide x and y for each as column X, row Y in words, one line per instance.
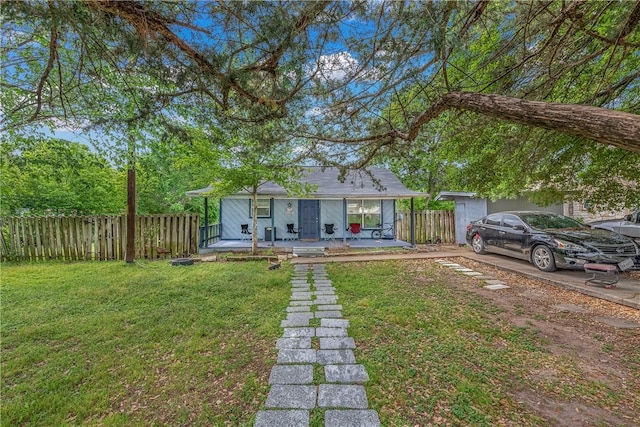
column 209, row 234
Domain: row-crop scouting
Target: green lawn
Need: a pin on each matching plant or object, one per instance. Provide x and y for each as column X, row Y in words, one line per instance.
column 105, row 343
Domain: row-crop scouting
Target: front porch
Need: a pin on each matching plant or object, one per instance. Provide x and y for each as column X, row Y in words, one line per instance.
column 288, row 245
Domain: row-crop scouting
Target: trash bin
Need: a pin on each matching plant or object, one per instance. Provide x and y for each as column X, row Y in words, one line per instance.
column 267, row 234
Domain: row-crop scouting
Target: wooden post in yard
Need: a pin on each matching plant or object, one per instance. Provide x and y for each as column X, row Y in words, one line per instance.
column 131, row 215
column 130, row 254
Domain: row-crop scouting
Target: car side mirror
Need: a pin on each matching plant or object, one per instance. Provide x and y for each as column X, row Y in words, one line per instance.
column 627, row 217
column 519, row 227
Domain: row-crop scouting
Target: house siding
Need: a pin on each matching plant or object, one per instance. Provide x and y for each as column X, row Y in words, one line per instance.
column 235, row 212
column 332, row 212
column 520, row 204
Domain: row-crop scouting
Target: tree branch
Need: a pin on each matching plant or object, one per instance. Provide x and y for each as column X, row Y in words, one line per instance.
column 53, row 43
column 602, row 125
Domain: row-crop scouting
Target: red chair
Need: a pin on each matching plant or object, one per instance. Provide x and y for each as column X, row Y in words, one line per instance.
column 354, row 229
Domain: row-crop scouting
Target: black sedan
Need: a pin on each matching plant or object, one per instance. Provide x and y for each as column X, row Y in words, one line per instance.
column 550, row 241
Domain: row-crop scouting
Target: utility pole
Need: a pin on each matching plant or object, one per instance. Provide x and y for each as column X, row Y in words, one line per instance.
column 131, row 203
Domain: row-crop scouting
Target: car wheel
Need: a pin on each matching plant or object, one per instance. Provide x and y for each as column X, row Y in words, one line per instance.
column 477, row 244
column 543, row 259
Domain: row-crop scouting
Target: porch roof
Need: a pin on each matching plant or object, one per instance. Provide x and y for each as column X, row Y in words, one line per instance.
column 357, row 185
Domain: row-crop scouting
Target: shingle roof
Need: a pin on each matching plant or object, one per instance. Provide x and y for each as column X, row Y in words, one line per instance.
column 357, row 184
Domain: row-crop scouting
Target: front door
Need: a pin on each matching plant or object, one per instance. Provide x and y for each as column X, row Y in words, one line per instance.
column 309, row 220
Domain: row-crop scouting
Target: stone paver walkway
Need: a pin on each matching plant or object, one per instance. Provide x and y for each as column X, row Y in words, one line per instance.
column 316, row 368
column 491, row 282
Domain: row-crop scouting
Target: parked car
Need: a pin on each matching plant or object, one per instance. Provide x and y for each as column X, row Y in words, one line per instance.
column 550, row 241
column 628, row 226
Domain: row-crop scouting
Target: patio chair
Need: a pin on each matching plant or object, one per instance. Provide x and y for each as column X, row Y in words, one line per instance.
column 292, row 232
column 329, row 232
column 354, row 229
column 245, row 234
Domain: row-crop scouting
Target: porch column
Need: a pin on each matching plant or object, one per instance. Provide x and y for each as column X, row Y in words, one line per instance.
column 273, row 222
column 413, row 226
column 344, row 221
column 206, row 223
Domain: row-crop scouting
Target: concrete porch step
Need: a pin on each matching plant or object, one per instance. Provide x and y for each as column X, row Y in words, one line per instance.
column 303, row 251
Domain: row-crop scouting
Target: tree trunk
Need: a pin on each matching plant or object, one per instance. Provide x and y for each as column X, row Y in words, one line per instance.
column 605, row 126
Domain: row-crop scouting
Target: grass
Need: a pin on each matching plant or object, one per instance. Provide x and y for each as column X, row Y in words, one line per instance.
column 149, row 344
column 436, row 355
column 114, row 344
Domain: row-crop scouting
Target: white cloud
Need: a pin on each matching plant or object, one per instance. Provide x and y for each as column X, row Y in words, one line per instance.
column 337, row 66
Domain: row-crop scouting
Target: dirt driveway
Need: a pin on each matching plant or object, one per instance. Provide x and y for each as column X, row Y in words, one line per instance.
column 603, row 337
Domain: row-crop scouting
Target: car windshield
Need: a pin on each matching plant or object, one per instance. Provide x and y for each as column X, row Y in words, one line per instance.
column 549, row 221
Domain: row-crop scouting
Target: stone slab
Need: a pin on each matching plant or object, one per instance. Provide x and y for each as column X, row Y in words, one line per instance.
column 329, row 307
column 333, row 357
column 300, row 315
column 292, row 374
column 297, row 355
column 342, row 396
column 300, row 303
column 297, row 308
column 324, row 293
column 301, row 295
column 337, row 343
column 619, row 323
column 496, row 287
column 292, row 396
column 298, row 332
column 572, row 308
column 331, row 332
column 294, row 323
column 351, row 418
column 473, row 273
column 328, row 314
column 495, row 282
column 325, row 300
column 334, row 323
column 282, row 418
column 462, row 269
column 293, row 343
column 349, row 374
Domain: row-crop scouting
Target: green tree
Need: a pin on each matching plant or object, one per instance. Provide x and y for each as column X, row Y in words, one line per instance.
column 370, row 74
column 242, row 159
column 500, row 98
column 44, row 176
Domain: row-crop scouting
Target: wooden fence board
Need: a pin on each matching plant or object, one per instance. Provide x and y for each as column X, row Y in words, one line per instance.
column 429, row 226
column 97, row 237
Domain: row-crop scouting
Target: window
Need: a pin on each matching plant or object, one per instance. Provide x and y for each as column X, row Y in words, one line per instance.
column 367, row 213
column 264, row 208
column 512, row 221
column 493, row 219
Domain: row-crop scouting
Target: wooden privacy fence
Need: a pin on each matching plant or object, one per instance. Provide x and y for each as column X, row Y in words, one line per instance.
column 97, row 237
column 430, row 226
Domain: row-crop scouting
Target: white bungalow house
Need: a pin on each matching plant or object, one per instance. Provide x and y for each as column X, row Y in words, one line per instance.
column 333, row 204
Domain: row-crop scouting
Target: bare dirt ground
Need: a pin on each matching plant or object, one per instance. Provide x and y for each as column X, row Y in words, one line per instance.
column 602, row 337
